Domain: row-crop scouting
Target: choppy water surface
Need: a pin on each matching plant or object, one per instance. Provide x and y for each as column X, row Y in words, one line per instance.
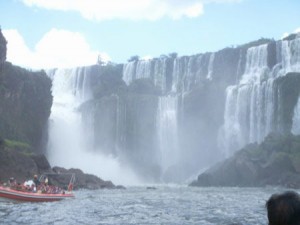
column 139, row 205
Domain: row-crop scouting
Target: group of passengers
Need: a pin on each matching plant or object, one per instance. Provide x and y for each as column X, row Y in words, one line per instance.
column 35, row 186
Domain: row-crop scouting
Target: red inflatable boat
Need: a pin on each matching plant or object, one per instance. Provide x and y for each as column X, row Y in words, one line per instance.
column 7, row 192
column 44, row 193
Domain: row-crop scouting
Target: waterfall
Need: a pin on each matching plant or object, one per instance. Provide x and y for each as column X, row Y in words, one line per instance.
column 143, row 69
column 66, row 131
column 245, row 113
column 155, row 69
column 180, row 77
column 291, row 52
column 175, row 77
column 129, row 72
column 167, row 131
column 210, row 66
column 208, row 103
column 137, row 70
column 251, row 104
column 290, row 55
column 71, row 138
column 160, row 74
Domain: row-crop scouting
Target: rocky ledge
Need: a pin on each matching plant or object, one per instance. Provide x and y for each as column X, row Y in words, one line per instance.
column 274, row 162
column 16, row 161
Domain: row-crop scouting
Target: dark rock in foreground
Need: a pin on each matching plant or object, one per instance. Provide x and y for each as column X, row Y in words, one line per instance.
column 275, row 162
column 23, row 165
column 87, row 181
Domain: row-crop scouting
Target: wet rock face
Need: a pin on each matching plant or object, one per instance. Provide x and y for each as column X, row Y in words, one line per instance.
column 25, row 103
column 273, row 162
column 3, row 43
column 16, row 164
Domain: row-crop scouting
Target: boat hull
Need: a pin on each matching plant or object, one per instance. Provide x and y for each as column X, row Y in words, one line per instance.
column 32, row 197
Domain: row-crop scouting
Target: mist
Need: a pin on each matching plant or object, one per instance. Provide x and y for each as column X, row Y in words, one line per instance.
column 68, row 144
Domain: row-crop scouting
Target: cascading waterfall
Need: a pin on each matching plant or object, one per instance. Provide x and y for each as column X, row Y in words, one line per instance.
column 155, row 69
column 251, row 104
column 70, row 137
column 160, row 74
column 210, row 66
column 65, row 135
column 190, row 104
column 184, row 72
column 249, row 108
column 292, row 61
column 129, row 72
column 174, row 80
column 290, row 52
column 167, row 131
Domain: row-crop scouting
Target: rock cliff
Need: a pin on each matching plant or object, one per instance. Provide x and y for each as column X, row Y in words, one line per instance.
column 18, row 162
column 25, row 103
column 273, row 162
column 3, row 43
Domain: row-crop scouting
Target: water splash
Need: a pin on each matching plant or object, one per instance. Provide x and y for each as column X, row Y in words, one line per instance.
column 69, row 145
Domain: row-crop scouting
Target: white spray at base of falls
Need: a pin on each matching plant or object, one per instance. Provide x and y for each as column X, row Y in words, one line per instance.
column 68, row 145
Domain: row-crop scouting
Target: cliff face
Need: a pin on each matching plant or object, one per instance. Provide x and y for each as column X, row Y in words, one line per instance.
column 273, row 162
column 25, row 102
column 14, row 163
column 2, row 48
column 121, row 120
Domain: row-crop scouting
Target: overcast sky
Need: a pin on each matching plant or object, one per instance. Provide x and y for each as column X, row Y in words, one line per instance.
column 69, row 33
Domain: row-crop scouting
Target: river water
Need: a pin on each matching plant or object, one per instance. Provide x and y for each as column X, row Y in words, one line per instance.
column 140, row 205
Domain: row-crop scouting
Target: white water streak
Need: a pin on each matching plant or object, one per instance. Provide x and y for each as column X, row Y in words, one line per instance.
column 250, row 105
column 167, row 131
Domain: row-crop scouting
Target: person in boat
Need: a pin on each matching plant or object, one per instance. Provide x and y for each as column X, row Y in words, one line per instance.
column 284, row 209
column 12, row 182
column 36, row 180
column 29, row 185
column 46, row 181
